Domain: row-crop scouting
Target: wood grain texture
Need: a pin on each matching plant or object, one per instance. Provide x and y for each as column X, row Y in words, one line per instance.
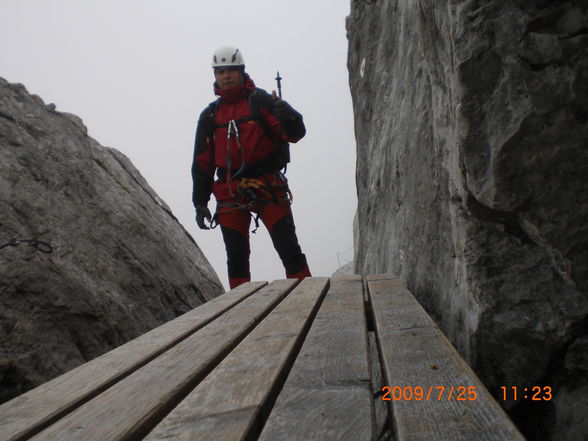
column 327, row 395
column 132, row 404
column 416, row 353
column 215, row 372
column 228, row 403
column 28, row 412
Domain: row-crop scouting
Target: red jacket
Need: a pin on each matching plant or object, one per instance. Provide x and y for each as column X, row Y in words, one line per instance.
column 214, row 151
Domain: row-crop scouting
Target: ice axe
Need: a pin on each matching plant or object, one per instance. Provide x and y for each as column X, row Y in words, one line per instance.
column 279, row 81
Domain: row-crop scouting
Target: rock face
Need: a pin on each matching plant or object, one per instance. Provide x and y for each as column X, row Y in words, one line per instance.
column 108, row 261
column 345, row 270
column 471, row 123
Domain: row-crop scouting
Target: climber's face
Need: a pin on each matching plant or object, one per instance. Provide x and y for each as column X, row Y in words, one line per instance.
column 227, row 77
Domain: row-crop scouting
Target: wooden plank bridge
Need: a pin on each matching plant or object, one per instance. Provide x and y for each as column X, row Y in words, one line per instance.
column 346, row 359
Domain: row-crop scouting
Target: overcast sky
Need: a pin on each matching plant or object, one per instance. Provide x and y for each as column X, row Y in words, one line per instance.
column 138, row 74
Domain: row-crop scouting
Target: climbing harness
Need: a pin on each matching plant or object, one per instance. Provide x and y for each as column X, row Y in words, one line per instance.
column 37, row 245
column 254, row 194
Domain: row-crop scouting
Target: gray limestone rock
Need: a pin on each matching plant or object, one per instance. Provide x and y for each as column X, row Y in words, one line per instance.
column 345, row 270
column 90, row 256
column 471, row 122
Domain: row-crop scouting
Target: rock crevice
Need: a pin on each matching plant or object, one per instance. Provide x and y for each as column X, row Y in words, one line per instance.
column 470, row 122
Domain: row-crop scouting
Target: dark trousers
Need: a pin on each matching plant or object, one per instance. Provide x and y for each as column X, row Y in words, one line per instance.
column 278, row 220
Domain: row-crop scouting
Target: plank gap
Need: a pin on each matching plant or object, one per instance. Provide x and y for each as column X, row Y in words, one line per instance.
column 346, row 384
column 384, row 418
column 258, row 424
column 411, row 328
column 153, row 420
column 369, row 316
column 37, row 428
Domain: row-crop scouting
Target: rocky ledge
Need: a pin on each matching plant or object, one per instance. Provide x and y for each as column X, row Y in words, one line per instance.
column 90, row 256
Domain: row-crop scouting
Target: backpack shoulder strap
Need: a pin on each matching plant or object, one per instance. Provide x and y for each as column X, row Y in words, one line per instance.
column 260, row 97
column 212, row 108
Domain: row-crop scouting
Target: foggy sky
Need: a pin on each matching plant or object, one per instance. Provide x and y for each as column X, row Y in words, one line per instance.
column 138, row 74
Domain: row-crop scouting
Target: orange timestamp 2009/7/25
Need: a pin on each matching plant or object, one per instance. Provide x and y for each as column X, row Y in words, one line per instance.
column 429, row 393
column 462, row 393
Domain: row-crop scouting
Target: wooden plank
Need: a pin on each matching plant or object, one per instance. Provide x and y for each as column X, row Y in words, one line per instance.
column 328, row 393
column 30, row 412
column 133, row 404
column 231, row 402
column 416, row 353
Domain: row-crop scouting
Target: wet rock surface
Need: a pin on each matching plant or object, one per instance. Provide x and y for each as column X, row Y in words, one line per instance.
column 90, row 256
column 471, row 123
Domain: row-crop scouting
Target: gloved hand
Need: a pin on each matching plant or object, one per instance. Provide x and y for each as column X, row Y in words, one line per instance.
column 282, row 110
column 202, row 212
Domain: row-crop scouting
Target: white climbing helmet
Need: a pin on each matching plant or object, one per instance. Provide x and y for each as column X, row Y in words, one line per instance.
column 227, row 56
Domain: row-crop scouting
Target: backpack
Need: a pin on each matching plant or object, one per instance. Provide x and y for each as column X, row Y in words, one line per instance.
column 281, row 157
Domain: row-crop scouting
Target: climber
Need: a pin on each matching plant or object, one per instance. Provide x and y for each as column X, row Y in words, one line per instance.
column 243, row 136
